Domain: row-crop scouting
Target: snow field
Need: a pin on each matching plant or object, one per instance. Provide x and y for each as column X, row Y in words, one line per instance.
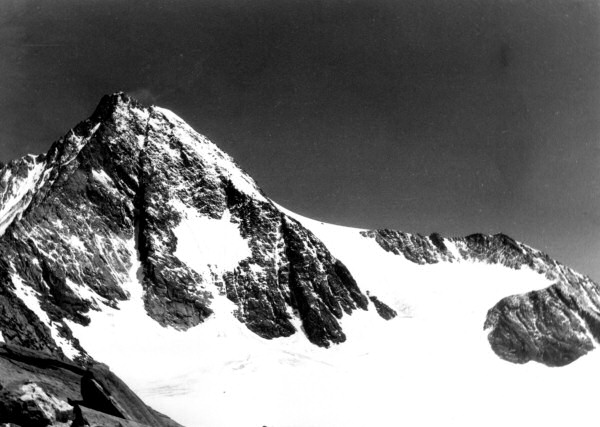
column 430, row 366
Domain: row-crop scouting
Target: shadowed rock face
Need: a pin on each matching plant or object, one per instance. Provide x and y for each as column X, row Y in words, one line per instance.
column 299, row 276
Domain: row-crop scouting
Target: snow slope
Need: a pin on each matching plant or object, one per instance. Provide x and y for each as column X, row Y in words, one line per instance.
column 431, row 365
column 15, row 188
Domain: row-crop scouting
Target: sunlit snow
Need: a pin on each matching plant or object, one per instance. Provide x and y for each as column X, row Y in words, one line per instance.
column 78, row 142
column 210, row 247
column 203, row 241
column 104, row 179
column 76, row 242
column 84, row 292
column 431, row 366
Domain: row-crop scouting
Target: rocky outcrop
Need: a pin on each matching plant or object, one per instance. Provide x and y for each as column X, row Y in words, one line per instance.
column 322, row 288
column 384, row 310
column 414, row 247
column 37, row 389
column 554, row 326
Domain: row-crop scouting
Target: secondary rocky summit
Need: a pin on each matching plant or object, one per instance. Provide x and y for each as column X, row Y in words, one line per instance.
column 554, row 326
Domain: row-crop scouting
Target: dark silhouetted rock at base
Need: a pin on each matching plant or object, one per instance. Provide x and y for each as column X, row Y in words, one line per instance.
column 92, row 418
column 97, row 397
column 37, row 389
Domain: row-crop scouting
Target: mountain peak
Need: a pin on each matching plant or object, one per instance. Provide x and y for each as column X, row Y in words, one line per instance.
column 108, row 103
column 136, row 238
column 120, row 208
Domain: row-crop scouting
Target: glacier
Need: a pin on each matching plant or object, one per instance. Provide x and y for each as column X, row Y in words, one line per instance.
column 432, row 365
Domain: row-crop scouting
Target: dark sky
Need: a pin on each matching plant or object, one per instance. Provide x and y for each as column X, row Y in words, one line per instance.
column 421, row 115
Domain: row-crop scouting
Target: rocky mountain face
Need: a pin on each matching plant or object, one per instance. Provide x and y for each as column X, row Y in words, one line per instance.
column 110, row 194
column 119, row 200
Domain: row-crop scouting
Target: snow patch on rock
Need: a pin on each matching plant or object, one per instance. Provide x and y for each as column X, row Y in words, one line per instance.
column 76, row 243
column 102, row 177
column 204, row 242
column 210, row 247
column 77, row 142
column 85, row 293
column 30, row 298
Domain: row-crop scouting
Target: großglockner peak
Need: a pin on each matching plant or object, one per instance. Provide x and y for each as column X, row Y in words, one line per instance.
column 136, row 238
column 115, row 191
